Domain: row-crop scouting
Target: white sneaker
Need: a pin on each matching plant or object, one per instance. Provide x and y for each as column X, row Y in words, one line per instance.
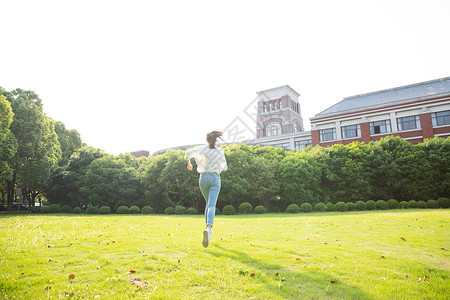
column 206, row 236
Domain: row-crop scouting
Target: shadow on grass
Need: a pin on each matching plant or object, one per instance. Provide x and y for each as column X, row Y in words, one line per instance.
column 299, row 285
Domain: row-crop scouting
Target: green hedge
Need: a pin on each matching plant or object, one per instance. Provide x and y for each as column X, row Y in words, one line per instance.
column 228, row 210
column 146, row 210
column 245, row 208
column 293, row 208
column 260, row 210
column 306, row 207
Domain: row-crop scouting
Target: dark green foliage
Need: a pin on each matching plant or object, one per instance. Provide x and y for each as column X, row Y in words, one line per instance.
column 180, row 210
column 66, row 209
column 146, row 210
column 228, row 210
column 35, row 209
column 432, row 204
column 306, row 207
column 122, row 210
column 351, row 206
column 45, row 209
column 169, row 210
column 382, row 205
column 412, row 204
column 77, row 210
column 331, row 207
column 54, row 209
column 191, row 211
column 341, row 206
column 260, row 209
column 135, row 210
column 320, row 207
column 293, row 208
column 444, row 202
column 361, row 205
column 92, row 210
column 403, row 205
column 105, row 210
column 392, row 204
column 421, row 204
column 245, row 208
column 217, row 211
column 371, row 205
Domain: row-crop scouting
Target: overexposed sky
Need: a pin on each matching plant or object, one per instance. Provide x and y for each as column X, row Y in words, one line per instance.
column 133, row 75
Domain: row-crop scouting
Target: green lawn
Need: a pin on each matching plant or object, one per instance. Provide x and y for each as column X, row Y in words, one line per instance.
column 401, row 254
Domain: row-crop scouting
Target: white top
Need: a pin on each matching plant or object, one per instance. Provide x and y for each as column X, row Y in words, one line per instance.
column 208, row 160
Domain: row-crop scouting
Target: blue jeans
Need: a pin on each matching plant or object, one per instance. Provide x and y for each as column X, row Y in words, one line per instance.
column 210, row 186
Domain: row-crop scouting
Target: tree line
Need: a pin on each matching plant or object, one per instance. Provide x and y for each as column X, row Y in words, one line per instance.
column 50, row 163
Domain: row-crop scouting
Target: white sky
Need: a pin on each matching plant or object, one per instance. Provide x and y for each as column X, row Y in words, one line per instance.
column 133, row 75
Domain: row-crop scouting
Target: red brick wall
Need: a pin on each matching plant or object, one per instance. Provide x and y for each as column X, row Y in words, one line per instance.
column 427, row 126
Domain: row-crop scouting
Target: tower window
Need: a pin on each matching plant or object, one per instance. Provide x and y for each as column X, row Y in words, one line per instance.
column 273, row 129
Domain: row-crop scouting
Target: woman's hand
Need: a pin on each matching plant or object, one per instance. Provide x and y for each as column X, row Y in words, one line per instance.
column 189, row 166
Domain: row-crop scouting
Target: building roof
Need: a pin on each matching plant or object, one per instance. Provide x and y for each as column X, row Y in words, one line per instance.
column 389, row 96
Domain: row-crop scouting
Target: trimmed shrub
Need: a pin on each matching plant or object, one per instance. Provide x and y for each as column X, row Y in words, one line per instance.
column 382, row 205
column 320, row 207
column 105, row 210
column 412, row 204
column 169, row 211
column 77, row 210
column 92, row 210
column 361, row 205
column 54, row 209
column 146, row 210
column 392, row 204
column 35, row 209
column 191, row 211
column 444, row 202
column 260, row 210
column 229, row 210
column 306, row 207
column 135, row 210
column 371, row 205
column 180, row 210
column 403, row 205
column 421, row 204
column 123, row 210
column 245, row 208
column 45, row 209
column 66, row 209
column 331, row 207
column 293, row 208
column 341, row 206
column 432, row 204
column 351, row 206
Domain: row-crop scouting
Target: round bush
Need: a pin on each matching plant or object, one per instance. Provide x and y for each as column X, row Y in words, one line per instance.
column 432, row 204
column 135, row 210
column 123, row 210
column 351, row 206
column 54, row 209
column 371, row 205
column 105, row 210
column 320, row 207
column 444, row 202
column 66, row 209
column 260, row 210
column 293, row 208
column 92, row 210
column 331, row 207
column 245, row 208
column 180, row 210
column 169, row 211
column 341, row 206
column 392, row 204
column 191, row 211
column 146, row 210
column 306, row 207
column 361, row 205
column 403, row 205
column 382, row 205
column 421, row 204
column 44, row 209
column 77, row 210
column 229, row 210
column 412, row 204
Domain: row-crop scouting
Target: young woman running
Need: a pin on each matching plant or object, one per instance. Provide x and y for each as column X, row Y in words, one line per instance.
column 211, row 162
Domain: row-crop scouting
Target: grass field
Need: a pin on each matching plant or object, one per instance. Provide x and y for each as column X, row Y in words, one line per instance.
column 355, row 255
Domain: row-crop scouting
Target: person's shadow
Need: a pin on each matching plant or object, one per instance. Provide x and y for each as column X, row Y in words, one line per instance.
column 276, row 276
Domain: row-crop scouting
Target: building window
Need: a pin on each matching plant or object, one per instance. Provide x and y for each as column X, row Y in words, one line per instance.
column 273, row 129
column 352, row 131
column 265, row 107
column 441, row 118
column 300, row 145
column 327, row 134
column 408, row 123
column 380, row 127
column 281, row 105
column 295, row 128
